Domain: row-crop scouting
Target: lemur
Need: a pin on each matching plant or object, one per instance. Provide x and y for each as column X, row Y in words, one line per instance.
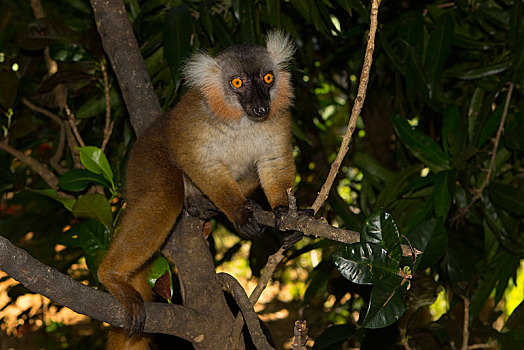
column 230, row 133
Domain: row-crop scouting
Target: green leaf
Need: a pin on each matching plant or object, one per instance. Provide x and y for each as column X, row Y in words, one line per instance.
column 97, row 105
column 441, row 194
column 95, row 161
column 372, row 167
column 68, row 203
column 77, row 180
column 439, row 46
column 176, row 37
column 513, row 132
column 393, row 189
column 497, row 275
column 429, row 236
column 94, row 206
column 93, row 238
column 452, row 136
column 319, row 278
column 422, row 146
column 491, row 125
column 364, row 263
column 334, row 336
column 222, row 32
column 507, row 197
column 160, row 278
column 380, row 227
column 387, row 303
column 245, row 13
column 273, row 13
column 474, row 110
column 484, row 71
column 159, row 267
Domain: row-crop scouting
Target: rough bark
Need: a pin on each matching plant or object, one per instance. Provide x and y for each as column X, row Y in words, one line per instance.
column 121, row 47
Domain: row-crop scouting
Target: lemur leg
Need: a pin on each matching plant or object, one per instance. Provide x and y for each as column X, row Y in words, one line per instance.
column 155, row 199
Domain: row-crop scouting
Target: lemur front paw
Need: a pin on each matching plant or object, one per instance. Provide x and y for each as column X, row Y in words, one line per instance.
column 281, row 211
column 248, row 226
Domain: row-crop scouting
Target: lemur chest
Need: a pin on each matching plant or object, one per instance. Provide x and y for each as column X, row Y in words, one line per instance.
column 240, row 148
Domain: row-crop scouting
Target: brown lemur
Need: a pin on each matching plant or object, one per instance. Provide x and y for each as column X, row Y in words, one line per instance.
column 230, row 133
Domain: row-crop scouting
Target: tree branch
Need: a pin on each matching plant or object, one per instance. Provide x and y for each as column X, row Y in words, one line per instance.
column 122, row 49
column 357, row 107
column 40, row 278
column 246, row 308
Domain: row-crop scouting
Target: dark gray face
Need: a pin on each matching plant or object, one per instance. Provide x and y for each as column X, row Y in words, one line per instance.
column 248, row 75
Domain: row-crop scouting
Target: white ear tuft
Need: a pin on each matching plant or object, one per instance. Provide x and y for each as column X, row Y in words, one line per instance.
column 280, row 47
column 199, row 69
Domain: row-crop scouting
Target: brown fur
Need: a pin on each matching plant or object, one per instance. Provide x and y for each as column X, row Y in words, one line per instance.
column 224, row 153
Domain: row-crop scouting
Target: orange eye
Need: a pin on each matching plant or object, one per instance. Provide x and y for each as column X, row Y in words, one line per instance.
column 268, row 78
column 236, row 83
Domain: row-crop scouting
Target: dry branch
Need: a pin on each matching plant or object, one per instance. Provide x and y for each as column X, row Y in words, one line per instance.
column 357, row 107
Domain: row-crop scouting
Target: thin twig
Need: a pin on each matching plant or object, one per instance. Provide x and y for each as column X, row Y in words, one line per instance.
column 108, row 129
column 465, row 330
column 404, row 339
column 54, row 161
column 478, row 192
column 46, row 174
column 72, row 122
column 357, row 107
column 489, row 345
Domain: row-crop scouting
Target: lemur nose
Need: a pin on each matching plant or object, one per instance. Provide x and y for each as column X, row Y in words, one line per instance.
column 261, row 111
